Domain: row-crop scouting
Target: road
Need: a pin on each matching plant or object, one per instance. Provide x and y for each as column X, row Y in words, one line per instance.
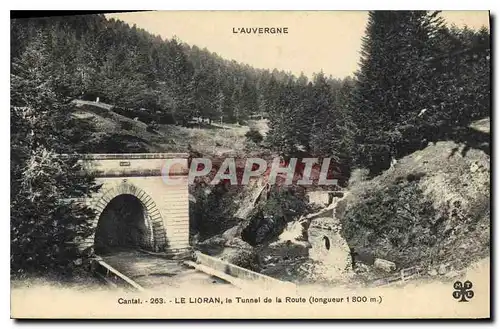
column 150, row 271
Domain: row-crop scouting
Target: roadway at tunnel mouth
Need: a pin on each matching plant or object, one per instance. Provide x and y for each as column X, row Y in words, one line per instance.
column 158, row 273
column 124, row 239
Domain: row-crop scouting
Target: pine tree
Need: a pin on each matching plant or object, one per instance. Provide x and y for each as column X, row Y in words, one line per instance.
column 304, row 113
column 460, row 79
column 392, row 86
column 220, row 104
column 235, row 115
column 248, row 100
column 282, row 135
column 332, row 132
column 46, row 220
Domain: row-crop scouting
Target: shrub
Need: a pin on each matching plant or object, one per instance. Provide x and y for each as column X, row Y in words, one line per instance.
column 248, row 259
column 397, row 223
column 45, row 225
column 152, row 126
column 142, row 115
column 213, row 211
column 254, row 135
column 126, row 125
column 270, row 217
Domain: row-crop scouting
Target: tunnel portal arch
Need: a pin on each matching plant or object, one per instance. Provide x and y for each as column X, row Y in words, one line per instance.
column 156, row 234
column 166, row 206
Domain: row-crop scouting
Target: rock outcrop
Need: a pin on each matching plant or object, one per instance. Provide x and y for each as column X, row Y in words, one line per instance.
column 455, row 180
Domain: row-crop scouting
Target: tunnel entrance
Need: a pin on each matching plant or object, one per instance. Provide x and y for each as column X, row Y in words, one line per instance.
column 123, row 225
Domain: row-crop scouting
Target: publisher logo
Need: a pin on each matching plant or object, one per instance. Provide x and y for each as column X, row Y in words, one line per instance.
column 463, row 291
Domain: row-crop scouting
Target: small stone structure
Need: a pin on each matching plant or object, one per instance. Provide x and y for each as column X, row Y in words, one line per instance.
column 165, row 206
column 329, row 248
column 323, row 198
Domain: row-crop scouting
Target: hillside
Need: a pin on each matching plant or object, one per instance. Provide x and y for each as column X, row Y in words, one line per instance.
column 116, row 133
column 431, row 209
column 130, row 67
column 448, row 184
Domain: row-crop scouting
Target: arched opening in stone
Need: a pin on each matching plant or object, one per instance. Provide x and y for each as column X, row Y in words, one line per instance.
column 122, row 225
column 327, row 242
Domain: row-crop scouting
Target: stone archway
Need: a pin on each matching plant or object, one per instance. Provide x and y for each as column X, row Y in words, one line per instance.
column 142, row 175
column 151, row 212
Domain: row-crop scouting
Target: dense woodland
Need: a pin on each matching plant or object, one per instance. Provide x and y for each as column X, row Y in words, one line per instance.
column 419, row 81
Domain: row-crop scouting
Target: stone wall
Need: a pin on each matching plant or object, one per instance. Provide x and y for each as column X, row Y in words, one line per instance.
column 330, row 252
column 166, row 205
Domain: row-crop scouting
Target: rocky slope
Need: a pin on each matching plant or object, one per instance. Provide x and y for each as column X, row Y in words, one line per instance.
column 453, row 181
column 453, row 178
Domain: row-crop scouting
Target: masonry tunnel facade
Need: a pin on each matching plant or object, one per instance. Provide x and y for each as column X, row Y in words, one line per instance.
column 135, row 208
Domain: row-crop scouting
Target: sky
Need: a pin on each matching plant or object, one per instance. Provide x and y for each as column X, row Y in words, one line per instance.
column 317, row 40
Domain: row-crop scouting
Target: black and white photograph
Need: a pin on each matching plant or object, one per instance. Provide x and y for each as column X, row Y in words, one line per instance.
column 250, row 164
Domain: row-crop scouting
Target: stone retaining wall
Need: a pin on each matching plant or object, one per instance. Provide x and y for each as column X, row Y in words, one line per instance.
column 263, row 281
